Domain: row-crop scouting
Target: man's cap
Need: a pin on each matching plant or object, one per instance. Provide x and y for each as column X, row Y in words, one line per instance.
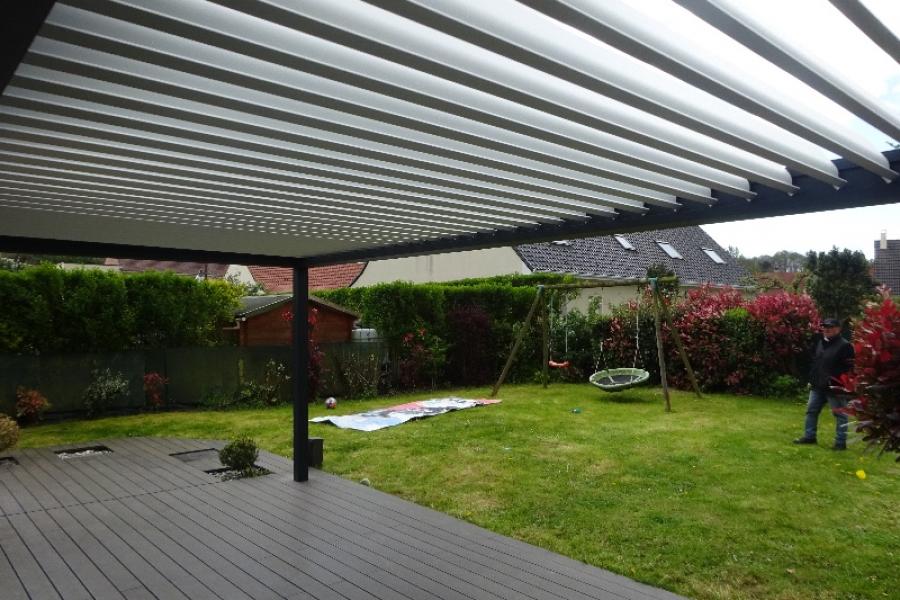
column 830, row 322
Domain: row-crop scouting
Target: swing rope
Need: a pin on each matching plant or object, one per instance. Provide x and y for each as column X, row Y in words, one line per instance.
column 555, row 317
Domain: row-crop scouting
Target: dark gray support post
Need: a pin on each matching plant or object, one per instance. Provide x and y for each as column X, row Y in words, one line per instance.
column 299, row 370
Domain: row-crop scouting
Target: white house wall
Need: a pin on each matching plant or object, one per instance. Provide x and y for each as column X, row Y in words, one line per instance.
column 239, row 274
column 449, row 266
column 609, row 297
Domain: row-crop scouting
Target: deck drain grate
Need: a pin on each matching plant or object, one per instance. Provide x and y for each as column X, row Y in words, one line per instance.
column 83, row 452
column 197, row 455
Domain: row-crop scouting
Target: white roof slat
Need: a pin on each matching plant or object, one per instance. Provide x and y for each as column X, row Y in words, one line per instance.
column 478, row 78
column 871, row 25
column 563, row 61
column 433, row 127
column 70, row 186
column 45, row 142
column 346, row 210
column 181, row 144
column 738, row 23
column 78, row 204
column 328, row 143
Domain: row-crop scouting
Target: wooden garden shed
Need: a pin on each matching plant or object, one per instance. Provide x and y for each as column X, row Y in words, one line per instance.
column 266, row 321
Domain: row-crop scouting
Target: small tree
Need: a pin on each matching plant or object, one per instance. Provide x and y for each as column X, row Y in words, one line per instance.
column 839, row 281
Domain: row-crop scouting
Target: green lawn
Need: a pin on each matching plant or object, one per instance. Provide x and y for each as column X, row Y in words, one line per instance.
column 710, row 501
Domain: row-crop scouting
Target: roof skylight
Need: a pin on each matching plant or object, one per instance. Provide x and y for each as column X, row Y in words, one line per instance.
column 714, row 256
column 669, row 249
column 623, row 241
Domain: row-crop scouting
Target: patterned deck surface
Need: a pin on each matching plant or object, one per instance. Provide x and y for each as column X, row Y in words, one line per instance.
column 141, row 523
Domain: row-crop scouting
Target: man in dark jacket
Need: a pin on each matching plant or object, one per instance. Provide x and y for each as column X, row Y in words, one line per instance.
column 832, row 356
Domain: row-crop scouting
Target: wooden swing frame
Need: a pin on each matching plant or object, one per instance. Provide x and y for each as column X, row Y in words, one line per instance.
column 660, row 313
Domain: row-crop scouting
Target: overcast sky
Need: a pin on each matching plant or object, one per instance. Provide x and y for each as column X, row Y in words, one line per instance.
column 819, row 28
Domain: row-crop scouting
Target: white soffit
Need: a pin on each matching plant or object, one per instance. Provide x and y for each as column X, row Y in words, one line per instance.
column 326, row 127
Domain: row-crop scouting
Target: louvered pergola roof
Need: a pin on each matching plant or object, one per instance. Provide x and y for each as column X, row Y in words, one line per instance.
column 337, row 130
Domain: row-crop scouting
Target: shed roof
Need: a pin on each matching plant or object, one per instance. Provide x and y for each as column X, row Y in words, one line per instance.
column 254, row 305
column 260, row 132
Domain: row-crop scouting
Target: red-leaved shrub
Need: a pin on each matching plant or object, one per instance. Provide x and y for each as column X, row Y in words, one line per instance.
column 789, row 322
column 715, row 339
column 154, row 387
column 30, row 404
column 733, row 344
column 874, row 381
column 468, row 354
column 314, row 371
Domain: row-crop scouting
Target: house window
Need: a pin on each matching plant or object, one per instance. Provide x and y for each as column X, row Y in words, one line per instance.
column 623, row 241
column 669, row 249
column 714, row 256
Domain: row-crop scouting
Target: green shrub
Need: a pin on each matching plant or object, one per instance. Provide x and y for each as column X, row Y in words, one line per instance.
column 9, row 433
column 400, row 310
column 268, row 392
column 47, row 309
column 784, row 386
column 357, row 373
column 105, row 389
column 239, row 454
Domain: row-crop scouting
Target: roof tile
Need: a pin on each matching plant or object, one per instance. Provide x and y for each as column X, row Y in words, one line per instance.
column 279, row 279
column 603, row 257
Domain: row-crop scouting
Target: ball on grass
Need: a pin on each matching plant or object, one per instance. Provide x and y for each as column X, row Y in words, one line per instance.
column 330, row 403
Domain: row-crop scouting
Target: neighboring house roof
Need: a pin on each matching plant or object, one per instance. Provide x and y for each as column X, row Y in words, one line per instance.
column 280, row 279
column 274, row 280
column 254, row 305
column 887, row 264
column 192, row 269
column 785, row 277
column 335, row 276
column 605, row 258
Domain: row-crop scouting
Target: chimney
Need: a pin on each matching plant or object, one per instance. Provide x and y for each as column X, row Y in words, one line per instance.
column 884, row 239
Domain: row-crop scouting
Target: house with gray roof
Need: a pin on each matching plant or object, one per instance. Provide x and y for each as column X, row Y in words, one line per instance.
column 887, row 263
column 688, row 251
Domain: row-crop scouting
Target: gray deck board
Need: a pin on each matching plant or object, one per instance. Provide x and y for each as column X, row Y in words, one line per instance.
column 140, row 523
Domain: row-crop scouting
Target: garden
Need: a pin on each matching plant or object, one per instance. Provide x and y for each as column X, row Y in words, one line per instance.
column 710, row 500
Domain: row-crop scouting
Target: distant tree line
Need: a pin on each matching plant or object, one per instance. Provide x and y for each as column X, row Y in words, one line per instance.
column 840, row 281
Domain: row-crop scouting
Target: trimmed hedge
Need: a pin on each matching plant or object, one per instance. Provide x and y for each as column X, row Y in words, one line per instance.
column 429, row 327
column 47, row 310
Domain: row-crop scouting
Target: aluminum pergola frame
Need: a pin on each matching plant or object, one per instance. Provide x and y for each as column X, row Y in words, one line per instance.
column 302, row 134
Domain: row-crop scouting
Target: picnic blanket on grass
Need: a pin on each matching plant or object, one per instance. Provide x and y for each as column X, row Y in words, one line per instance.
column 395, row 415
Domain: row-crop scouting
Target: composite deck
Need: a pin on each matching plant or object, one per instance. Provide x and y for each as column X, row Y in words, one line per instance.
column 142, row 523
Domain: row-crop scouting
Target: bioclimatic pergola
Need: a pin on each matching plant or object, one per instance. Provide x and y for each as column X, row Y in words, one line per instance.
column 303, row 133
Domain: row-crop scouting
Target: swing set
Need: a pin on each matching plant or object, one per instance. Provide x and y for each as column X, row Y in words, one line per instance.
column 609, row 380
